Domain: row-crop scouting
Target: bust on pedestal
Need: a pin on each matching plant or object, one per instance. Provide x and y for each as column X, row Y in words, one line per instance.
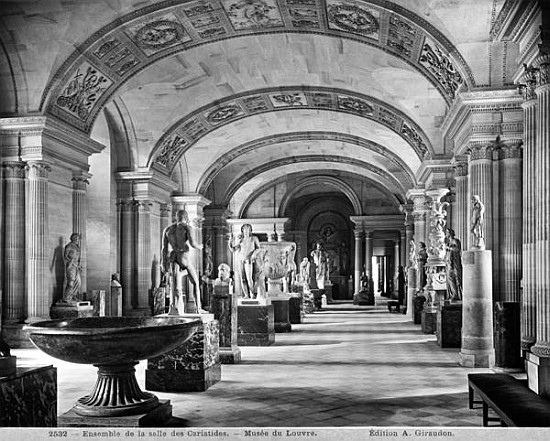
column 477, row 305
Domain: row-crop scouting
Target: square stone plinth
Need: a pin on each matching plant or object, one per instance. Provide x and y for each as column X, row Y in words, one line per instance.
column 156, row 417
column 449, row 325
column 224, row 307
column 429, row 321
column 538, row 374
column 28, row 397
column 255, row 325
column 193, row 367
column 295, row 308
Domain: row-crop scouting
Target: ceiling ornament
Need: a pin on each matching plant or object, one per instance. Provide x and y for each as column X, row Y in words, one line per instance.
column 132, row 42
column 250, row 14
column 209, row 118
column 440, row 65
column 170, row 151
column 354, row 17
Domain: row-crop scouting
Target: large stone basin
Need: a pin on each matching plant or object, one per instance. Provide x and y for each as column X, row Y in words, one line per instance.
column 114, row 345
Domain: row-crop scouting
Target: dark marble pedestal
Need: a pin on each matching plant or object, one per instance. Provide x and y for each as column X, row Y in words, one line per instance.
column 328, row 292
column 8, row 366
column 507, row 336
column 449, row 325
column 429, row 321
column 193, row 367
column 363, row 298
column 418, row 307
column 224, row 307
column 295, row 308
column 255, row 325
column 28, row 398
column 156, row 417
column 281, row 314
column 317, row 298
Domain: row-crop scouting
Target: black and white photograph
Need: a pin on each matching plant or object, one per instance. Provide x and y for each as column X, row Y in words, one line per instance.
column 280, row 220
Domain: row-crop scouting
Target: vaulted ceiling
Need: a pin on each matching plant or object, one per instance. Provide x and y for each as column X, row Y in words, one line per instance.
column 228, row 96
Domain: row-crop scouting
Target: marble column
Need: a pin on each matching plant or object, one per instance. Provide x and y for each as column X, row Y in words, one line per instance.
column 369, row 237
column 80, row 215
column 530, row 265
column 14, row 308
column 481, row 183
column 539, row 363
column 38, row 300
column 357, row 262
column 460, row 211
column 127, row 262
column 144, row 259
column 396, row 257
column 510, row 223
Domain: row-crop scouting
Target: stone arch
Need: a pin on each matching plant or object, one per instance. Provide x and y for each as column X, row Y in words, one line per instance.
column 119, row 50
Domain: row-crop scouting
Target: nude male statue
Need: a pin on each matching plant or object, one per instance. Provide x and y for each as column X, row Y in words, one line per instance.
column 176, row 240
column 247, row 247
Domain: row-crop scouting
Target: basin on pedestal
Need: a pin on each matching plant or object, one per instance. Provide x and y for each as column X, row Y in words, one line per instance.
column 114, row 345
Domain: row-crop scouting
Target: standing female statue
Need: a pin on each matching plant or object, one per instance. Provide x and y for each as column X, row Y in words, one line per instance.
column 71, row 257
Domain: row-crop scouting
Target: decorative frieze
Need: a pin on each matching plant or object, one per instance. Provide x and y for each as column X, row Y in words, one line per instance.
column 354, row 17
column 440, row 65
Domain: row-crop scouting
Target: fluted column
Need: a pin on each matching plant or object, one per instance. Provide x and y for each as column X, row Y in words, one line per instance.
column 13, row 309
column 143, row 257
column 460, row 211
column 542, row 243
column 80, row 214
column 38, row 300
column 396, row 257
column 369, row 236
column 481, row 183
column 126, row 216
column 510, row 223
column 357, row 263
column 528, row 307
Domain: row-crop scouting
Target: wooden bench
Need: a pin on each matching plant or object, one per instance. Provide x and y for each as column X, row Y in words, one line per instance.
column 515, row 404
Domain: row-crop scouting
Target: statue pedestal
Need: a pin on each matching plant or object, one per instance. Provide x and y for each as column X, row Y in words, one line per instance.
column 192, row 367
column 224, row 307
column 317, row 298
column 255, row 324
column 7, row 365
column 538, row 374
column 363, row 298
column 411, row 291
column 28, row 397
column 328, row 292
column 449, row 325
column 477, row 310
column 508, row 337
column 280, row 313
column 158, row 416
column 418, row 306
column 67, row 311
column 295, row 308
column 429, row 321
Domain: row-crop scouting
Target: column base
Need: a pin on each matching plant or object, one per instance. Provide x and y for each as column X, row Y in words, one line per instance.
column 477, row 359
column 156, row 417
column 538, row 374
column 230, row 355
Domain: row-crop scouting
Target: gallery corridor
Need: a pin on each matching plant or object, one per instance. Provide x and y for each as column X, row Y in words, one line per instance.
column 346, row 365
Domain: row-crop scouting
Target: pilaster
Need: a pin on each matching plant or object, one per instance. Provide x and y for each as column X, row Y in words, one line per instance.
column 358, row 235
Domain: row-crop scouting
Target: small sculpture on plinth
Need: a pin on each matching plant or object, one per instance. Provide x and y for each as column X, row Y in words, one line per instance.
column 250, row 262
column 73, row 282
column 176, row 240
column 478, row 223
column 454, row 266
column 224, row 275
column 304, row 273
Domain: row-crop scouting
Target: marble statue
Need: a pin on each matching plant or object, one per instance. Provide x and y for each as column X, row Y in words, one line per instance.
column 320, row 259
column 249, row 260
column 224, row 275
column 304, row 271
column 454, row 266
column 176, row 240
column 73, row 282
column 115, row 280
column 478, row 223
column 413, row 258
